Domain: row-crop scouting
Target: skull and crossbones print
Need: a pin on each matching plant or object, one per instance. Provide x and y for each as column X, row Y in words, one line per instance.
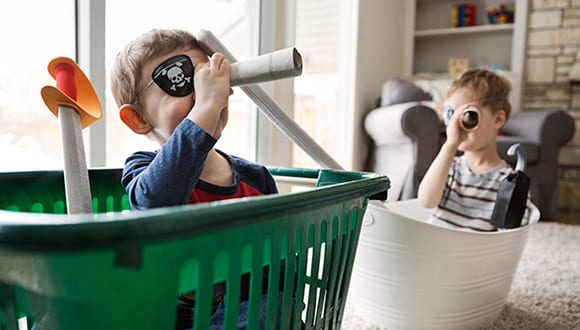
column 174, row 76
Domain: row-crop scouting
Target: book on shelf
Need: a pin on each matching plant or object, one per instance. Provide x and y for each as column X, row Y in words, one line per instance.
column 463, row 15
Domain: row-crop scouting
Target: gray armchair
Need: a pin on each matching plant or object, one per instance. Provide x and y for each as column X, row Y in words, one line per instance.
column 542, row 133
column 407, row 136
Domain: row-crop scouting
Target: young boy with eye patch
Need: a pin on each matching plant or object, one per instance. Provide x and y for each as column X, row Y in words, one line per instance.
column 168, row 89
column 463, row 188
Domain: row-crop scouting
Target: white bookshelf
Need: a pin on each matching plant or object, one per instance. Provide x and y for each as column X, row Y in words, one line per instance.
column 431, row 41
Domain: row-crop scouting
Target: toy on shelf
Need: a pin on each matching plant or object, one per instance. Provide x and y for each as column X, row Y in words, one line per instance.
column 501, row 15
column 457, row 65
column 464, row 15
column 75, row 103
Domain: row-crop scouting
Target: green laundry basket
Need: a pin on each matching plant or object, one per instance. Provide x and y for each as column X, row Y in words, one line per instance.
column 117, row 269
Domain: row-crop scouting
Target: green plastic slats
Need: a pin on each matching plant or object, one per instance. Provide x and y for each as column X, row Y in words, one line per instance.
column 70, row 269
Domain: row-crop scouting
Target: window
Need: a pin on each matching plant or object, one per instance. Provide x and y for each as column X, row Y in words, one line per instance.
column 29, row 132
column 231, row 21
column 316, row 104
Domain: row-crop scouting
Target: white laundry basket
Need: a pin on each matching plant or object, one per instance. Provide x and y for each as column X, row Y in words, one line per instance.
column 412, row 275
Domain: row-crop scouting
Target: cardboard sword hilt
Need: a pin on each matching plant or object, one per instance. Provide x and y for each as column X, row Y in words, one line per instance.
column 75, row 102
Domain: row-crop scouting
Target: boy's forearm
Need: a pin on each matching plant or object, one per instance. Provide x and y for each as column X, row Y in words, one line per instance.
column 204, row 117
column 433, row 183
column 169, row 177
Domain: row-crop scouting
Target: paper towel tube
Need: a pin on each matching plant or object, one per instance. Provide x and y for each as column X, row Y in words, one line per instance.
column 280, row 64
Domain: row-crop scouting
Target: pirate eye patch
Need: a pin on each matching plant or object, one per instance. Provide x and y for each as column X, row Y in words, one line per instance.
column 175, row 76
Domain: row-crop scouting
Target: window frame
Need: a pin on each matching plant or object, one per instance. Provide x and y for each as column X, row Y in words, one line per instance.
column 90, row 45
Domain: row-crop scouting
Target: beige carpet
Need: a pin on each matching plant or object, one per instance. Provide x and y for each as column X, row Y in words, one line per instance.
column 545, row 293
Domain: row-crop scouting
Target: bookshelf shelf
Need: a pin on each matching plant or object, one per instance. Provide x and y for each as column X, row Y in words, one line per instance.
column 490, row 28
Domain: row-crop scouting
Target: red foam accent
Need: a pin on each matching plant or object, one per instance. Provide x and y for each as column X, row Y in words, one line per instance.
column 65, row 80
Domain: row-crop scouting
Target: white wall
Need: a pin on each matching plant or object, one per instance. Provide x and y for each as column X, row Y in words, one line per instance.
column 377, row 47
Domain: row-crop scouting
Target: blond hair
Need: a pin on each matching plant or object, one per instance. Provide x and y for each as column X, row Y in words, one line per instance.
column 488, row 88
column 126, row 74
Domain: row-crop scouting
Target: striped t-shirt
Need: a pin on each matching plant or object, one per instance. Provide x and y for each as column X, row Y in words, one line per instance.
column 469, row 198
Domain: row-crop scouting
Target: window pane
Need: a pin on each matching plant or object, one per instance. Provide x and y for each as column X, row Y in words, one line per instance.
column 316, row 90
column 30, row 39
column 231, row 21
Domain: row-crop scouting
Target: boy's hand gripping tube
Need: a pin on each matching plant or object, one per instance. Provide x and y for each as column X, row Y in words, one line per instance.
column 76, row 104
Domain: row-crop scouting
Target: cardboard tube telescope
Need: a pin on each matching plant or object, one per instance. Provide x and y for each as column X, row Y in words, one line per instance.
column 469, row 120
column 280, row 64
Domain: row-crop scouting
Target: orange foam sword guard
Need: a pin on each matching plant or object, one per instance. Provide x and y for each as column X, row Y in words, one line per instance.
column 73, row 89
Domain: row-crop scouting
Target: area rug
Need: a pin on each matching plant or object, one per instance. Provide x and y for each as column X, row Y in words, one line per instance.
column 545, row 293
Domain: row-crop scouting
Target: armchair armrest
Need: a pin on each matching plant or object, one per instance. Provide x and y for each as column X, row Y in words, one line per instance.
column 420, row 122
column 384, row 124
column 394, row 123
column 423, row 126
column 547, row 128
column 407, row 137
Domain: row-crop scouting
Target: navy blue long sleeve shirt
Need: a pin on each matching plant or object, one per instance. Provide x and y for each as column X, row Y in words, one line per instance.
column 171, row 175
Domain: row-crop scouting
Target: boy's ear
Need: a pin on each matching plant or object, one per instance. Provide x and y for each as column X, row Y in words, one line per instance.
column 133, row 119
column 500, row 119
